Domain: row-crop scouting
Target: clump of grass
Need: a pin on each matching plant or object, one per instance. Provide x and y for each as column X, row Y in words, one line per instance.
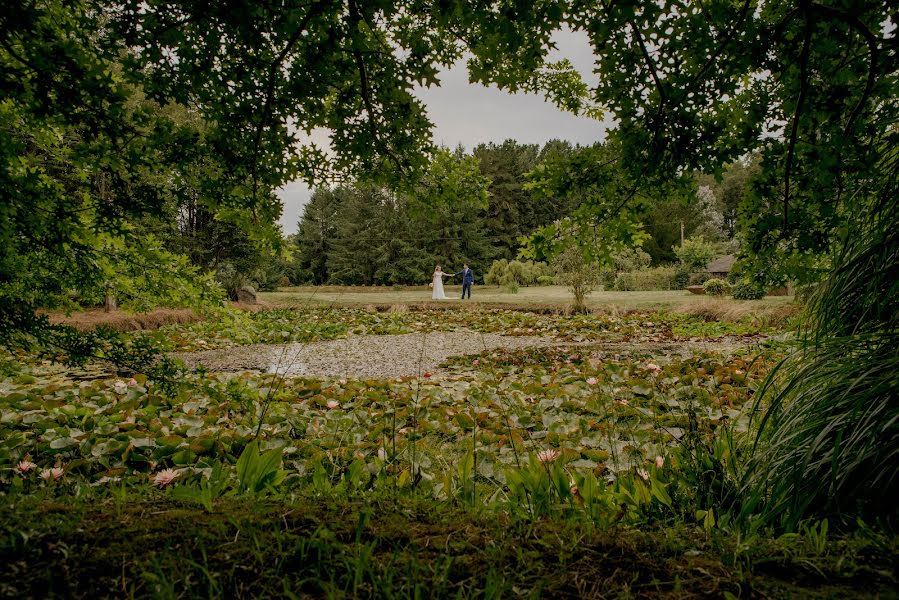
column 731, row 311
column 156, row 546
column 828, row 435
column 126, row 321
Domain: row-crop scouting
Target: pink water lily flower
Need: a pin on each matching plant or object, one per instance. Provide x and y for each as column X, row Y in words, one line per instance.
column 660, row 462
column 57, row 473
column 46, row 475
column 120, row 387
column 654, row 367
column 165, row 478
column 591, row 381
column 333, row 404
column 475, row 362
column 643, row 473
column 24, row 466
column 546, row 456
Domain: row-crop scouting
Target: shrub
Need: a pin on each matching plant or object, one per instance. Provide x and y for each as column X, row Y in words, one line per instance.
column 580, row 276
column 716, row 287
column 624, row 282
column 695, row 254
column 284, row 281
column 515, row 272
column 681, row 278
column 631, row 259
column 658, row 278
column 748, row 290
column 230, row 279
column 607, row 279
column 545, row 280
column 521, row 273
column 509, row 284
column 496, row 273
column 700, row 278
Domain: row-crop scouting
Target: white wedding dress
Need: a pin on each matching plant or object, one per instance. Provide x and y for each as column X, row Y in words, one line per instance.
column 438, row 294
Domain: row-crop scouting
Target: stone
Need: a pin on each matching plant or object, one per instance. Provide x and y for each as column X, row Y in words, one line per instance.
column 696, row 289
column 246, row 295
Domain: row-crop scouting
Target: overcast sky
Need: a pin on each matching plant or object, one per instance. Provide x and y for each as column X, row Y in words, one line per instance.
column 469, row 114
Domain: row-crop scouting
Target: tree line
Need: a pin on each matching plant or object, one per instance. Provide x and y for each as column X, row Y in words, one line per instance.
column 362, row 234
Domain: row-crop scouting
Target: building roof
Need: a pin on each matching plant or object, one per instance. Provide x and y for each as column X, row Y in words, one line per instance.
column 721, row 265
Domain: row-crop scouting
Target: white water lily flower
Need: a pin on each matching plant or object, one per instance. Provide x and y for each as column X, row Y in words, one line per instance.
column 165, row 478
column 120, row 387
column 24, row 466
column 643, row 473
column 546, row 456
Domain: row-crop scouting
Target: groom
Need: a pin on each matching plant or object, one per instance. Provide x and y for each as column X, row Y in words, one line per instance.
column 467, row 280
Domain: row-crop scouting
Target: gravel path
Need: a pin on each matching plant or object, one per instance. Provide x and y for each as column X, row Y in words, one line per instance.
column 368, row 356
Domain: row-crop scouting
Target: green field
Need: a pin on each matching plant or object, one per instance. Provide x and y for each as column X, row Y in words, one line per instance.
column 481, row 294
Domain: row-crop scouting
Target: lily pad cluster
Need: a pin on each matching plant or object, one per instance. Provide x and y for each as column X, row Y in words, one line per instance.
column 237, row 328
column 588, row 411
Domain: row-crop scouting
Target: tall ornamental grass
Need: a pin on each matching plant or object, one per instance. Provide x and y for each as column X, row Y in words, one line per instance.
column 828, row 435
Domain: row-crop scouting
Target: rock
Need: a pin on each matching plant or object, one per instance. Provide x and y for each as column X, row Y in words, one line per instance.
column 246, row 295
column 696, row 289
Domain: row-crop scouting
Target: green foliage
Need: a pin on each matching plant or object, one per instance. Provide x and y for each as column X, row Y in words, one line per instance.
column 745, row 289
column 716, row 287
column 658, row 278
column 576, row 272
column 827, row 444
column 503, row 272
column 695, row 254
column 257, row 471
column 615, row 223
column 514, row 210
column 365, row 235
column 631, row 259
column 497, row 272
column 231, row 279
column 730, row 189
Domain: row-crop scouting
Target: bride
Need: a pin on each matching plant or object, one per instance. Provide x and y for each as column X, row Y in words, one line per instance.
column 437, row 284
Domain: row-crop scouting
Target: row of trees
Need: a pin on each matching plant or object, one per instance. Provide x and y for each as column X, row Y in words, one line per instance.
column 368, row 235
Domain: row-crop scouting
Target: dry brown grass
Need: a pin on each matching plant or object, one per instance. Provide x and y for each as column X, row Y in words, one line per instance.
column 725, row 309
column 125, row 321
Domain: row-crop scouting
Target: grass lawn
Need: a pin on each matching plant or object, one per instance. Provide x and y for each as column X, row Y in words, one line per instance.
column 556, row 295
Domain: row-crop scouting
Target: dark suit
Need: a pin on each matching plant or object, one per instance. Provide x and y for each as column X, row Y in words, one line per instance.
column 467, row 281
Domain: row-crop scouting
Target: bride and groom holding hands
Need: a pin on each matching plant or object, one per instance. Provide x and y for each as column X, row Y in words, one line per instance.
column 437, row 283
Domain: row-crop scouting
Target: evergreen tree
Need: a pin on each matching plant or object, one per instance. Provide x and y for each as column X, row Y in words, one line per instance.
column 317, row 230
